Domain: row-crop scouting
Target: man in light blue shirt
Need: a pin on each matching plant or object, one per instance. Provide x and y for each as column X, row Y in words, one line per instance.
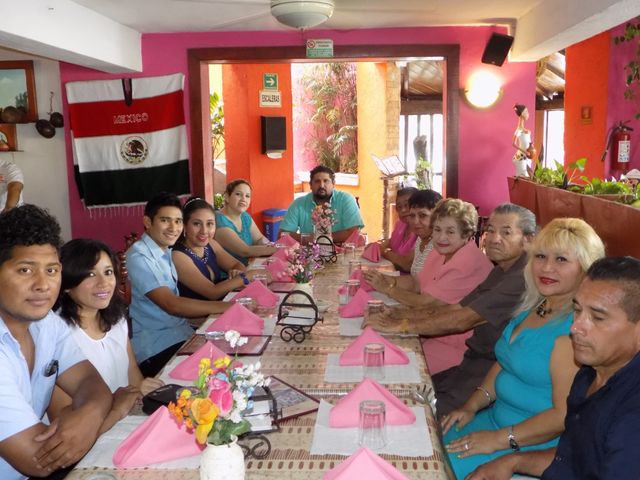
column 38, row 352
column 346, row 212
column 157, row 311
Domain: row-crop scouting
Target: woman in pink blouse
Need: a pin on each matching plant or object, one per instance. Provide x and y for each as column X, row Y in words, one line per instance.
column 398, row 249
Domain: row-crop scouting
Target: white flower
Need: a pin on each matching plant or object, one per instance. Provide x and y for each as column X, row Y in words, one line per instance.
column 232, row 337
column 242, row 341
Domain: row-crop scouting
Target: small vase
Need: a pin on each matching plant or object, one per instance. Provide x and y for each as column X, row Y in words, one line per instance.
column 222, row 462
column 299, row 298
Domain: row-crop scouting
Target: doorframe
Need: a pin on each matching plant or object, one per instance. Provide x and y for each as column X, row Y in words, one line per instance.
column 198, row 69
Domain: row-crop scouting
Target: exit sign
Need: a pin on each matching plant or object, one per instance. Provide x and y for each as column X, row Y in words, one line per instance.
column 270, row 81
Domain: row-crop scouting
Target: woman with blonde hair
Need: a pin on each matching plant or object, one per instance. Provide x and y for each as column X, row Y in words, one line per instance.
column 521, row 404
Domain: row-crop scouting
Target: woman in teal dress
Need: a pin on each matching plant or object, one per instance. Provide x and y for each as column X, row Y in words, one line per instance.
column 521, row 404
column 236, row 231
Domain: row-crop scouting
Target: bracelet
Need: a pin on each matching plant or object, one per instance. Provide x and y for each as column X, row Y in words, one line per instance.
column 486, row 392
column 244, row 278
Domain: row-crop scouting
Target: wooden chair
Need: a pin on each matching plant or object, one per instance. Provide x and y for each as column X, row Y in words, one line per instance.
column 124, row 285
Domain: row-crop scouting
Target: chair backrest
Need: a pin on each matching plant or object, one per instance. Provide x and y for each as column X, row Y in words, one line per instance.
column 124, row 285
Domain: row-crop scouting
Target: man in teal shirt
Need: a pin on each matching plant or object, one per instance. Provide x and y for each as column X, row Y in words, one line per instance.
column 346, row 212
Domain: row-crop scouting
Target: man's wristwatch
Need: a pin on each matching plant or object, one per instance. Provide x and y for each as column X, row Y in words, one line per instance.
column 513, row 443
column 244, row 278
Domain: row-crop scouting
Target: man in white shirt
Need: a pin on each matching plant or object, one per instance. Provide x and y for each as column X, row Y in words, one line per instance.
column 11, row 185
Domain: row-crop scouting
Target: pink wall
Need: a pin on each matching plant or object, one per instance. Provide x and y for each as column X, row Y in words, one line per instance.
column 619, row 108
column 485, row 136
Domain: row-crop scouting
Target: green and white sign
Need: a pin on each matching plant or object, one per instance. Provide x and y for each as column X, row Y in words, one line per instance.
column 319, row 48
column 270, row 81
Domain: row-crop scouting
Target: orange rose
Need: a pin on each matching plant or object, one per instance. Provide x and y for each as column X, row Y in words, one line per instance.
column 204, row 412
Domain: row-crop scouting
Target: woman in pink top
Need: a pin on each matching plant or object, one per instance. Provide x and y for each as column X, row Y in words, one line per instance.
column 399, row 248
column 452, row 270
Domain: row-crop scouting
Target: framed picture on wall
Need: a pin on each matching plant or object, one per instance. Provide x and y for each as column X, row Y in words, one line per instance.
column 8, row 142
column 18, row 88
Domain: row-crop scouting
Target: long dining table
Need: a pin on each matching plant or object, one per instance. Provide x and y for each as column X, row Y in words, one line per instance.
column 302, row 365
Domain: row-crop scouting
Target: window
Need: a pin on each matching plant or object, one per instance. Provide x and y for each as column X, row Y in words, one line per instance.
column 553, row 137
column 431, row 126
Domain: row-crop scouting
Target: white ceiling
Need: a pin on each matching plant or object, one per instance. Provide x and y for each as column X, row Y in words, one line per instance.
column 106, row 34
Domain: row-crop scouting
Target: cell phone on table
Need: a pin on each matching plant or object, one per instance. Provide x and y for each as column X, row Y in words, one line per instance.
column 159, row 397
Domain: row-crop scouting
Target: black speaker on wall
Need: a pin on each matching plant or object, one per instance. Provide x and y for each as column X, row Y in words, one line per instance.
column 497, row 49
column 274, row 134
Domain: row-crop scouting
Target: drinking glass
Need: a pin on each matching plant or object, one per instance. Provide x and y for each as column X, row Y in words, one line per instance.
column 246, row 302
column 352, row 288
column 372, row 425
column 349, row 252
column 354, row 265
column 306, row 238
column 374, row 361
column 373, row 306
column 262, row 278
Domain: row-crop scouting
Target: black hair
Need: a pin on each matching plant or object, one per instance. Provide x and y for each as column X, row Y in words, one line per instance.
column 27, row 225
column 231, row 186
column 403, row 192
column 322, row 169
column 162, row 199
column 519, row 108
column 425, row 199
column 625, row 271
column 78, row 258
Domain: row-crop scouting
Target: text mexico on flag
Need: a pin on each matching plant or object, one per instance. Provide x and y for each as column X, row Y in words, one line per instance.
column 129, row 138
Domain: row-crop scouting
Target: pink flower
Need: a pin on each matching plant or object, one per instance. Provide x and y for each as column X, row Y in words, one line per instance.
column 221, row 395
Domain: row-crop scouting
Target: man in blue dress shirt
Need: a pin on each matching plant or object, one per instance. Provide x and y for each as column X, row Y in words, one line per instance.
column 37, row 352
column 157, row 310
column 602, row 426
column 346, row 212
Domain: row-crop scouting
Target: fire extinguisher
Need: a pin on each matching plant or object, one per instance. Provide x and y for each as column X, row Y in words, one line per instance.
column 620, row 145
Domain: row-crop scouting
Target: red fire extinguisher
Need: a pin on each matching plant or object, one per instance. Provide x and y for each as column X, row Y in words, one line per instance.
column 620, row 145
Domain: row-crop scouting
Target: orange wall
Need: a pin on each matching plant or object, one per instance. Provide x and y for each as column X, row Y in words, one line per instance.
column 587, row 77
column 272, row 180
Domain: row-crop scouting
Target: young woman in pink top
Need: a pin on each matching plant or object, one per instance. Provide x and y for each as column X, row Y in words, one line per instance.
column 398, row 249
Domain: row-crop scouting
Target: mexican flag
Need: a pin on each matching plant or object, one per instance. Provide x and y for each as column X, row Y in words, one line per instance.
column 129, row 139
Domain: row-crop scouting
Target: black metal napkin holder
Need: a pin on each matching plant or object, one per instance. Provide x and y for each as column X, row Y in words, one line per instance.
column 256, row 444
column 293, row 328
column 327, row 249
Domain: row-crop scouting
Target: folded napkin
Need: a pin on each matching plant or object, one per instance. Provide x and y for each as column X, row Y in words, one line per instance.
column 372, row 252
column 356, row 238
column 346, row 413
column 282, row 254
column 288, row 241
column 278, row 271
column 260, row 293
column 188, row 368
column 357, row 305
column 354, row 353
column 364, row 464
column 240, row 319
column 158, row 439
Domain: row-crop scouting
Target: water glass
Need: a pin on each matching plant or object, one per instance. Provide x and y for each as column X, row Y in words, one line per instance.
column 306, row 239
column 262, row 278
column 374, row 361
column 372, row 425
column 354, row 265
column 352, row 288
column 373, row 306
column 349, row 252
column 246, row 302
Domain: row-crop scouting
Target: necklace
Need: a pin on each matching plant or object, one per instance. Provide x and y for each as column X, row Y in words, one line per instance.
column 542, row 310
column 203, row 258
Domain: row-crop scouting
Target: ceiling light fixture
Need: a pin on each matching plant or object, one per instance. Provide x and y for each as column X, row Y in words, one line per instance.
column 302, row 13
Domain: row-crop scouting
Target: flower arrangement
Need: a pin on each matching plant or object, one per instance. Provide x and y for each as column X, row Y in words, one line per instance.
column 303, row 262
column 323, row 217
column 213, row 408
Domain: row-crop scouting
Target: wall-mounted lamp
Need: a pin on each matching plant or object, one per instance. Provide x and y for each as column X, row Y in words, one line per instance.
column 483, row 89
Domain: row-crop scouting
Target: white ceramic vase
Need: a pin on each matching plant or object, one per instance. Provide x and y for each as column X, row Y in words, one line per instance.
column 299, row 298
column 222, row 462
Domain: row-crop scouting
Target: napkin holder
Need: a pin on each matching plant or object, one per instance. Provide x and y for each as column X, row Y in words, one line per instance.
column 297, row 318
column 255, row 443
column 327, row 249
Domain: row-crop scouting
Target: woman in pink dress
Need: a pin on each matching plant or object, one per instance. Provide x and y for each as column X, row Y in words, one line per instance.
column 398, row 249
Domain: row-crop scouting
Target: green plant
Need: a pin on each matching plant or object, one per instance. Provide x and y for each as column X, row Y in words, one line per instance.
column 218, row 201
column 597, row 186
column 559, row 176
column 330, row 91
column 631, row 69
column 216, row 114
column 424, row 175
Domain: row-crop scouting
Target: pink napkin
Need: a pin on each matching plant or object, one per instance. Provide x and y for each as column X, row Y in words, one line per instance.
column 240, row 319
column 354, row 353
column 346, row 412
column 372, row 252
column 260, row 293
column 278, row 271
column 281, row 254
column 364, row 464
column 357, row 238
column 158, row 439
column 288, row 240
column 355, row 308
column 188, row 368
